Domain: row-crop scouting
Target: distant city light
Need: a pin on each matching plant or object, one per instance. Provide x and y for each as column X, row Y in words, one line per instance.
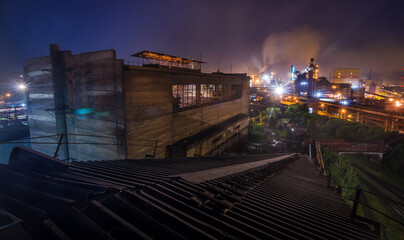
column 303, row 83
column 318, row 94
column 265, row 77
column 8, row 95
column 390, row 99
column 344, row 102
column 23, row 105
column 398, row 104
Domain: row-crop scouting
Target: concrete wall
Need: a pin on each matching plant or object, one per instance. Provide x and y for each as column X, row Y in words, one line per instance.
column 95, row 106
column 149, row 108
column 81, row 96
column 41, row 105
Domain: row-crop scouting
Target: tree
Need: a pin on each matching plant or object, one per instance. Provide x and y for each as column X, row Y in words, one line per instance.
column 342, row 174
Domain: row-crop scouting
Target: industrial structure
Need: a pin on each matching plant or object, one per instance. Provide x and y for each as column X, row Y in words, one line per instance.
column 346, row 75
column 97, row 107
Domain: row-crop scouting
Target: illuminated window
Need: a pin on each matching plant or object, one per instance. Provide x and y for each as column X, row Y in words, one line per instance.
column 183, row 96
column 208, row 93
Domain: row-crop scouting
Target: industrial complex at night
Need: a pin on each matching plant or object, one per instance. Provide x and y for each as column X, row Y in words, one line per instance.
column 201, row 120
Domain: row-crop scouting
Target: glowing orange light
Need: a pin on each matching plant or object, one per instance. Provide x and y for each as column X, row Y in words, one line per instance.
column 343, row 110
column 8, row 95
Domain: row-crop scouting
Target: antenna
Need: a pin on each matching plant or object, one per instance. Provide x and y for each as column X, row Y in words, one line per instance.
column 231, row 69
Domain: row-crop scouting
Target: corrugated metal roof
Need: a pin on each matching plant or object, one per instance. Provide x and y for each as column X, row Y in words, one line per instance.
column 148, row 199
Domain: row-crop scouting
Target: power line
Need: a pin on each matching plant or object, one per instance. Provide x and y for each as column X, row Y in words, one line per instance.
column 378, row 195
column 87, row 143
column 84, row 135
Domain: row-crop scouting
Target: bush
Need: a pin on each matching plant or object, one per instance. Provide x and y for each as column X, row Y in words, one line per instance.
column 342, row 174
column 256, row 133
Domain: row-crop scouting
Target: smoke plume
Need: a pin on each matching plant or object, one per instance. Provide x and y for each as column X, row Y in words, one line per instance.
column 281, row 50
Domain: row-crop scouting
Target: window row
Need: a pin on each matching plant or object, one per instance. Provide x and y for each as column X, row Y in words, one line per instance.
column 192, row 95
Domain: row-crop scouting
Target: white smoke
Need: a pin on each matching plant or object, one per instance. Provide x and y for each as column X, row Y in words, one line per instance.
column 281, row 50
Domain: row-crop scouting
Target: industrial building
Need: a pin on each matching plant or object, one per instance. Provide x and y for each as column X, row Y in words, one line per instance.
column 347, row 75
column 93, row 106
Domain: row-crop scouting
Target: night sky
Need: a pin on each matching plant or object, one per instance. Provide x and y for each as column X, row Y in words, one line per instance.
column 249, row 35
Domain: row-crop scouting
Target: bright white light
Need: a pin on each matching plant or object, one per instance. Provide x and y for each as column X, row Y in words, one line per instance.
column 265, row 77
column 318, row 94
column 22, row 86
column 23, row 105
column 279, row 90
column 398, row 104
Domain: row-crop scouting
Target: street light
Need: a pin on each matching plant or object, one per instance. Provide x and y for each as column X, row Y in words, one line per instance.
column 21, row 86
column 8, row 95
column 279, row 90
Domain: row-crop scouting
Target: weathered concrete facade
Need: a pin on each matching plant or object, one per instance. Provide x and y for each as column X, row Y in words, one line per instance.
column 132, row 110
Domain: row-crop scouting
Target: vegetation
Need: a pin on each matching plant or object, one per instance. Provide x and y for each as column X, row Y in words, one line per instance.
column 341, row 172
column 324, row 127
column 395, row 159
column 390, row 229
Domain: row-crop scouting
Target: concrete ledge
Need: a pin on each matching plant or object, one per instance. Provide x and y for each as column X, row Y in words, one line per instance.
column 210, row 174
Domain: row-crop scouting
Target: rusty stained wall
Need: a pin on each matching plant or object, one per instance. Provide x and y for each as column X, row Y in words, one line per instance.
column 149, row 108
column 95, row 106
column 41, row 105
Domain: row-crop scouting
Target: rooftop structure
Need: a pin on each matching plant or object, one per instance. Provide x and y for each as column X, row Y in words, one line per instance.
column 168, row 60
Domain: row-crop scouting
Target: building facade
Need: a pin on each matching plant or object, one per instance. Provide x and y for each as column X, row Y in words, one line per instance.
column 347, row 75
column 98, row 108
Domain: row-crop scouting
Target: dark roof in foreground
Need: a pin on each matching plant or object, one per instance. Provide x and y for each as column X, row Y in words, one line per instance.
column 255, row 197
